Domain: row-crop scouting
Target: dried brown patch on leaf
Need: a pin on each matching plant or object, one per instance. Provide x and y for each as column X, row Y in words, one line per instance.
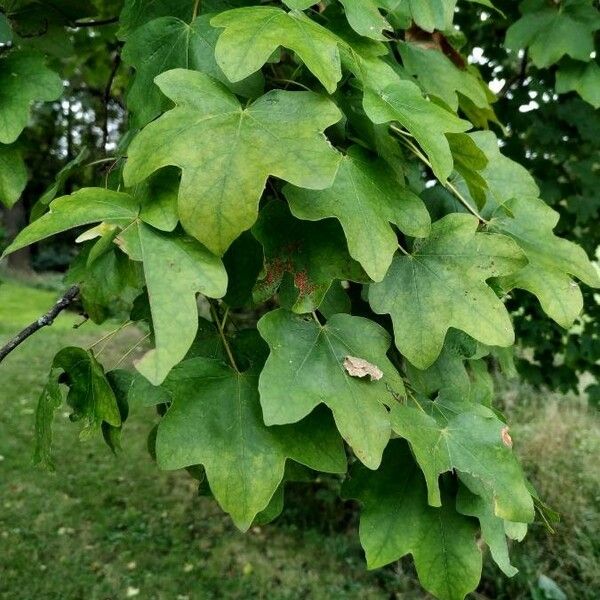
column 359, row 367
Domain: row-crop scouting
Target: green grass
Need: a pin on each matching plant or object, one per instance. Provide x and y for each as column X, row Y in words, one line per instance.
column 107, row 527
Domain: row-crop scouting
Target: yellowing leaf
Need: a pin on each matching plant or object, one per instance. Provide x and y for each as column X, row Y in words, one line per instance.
column 226, row 152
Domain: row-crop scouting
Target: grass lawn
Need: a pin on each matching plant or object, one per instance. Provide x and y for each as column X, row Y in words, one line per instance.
column 107, row 527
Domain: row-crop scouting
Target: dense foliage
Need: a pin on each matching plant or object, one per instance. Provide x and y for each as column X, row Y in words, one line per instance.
column 310, row 213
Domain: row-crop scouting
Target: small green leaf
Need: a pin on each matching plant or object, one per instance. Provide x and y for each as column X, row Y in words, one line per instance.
column 551, row 30
column 365, row 195
column 48, row 403
column 253, row 34
column 442, row 284
column 306, row 368
column 90, row 395
column 24, row 78
column 395, row 520
column 215, row 420
column 440, row 77
column 226, row 152
column 136, row 13
column 13, row 175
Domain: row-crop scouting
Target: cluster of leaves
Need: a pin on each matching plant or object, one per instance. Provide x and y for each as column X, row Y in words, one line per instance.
column 317, row 166
column 556, row 138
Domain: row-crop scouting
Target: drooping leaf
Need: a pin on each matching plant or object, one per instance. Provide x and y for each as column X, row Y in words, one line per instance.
column 48, row 403
column 176, row 268
column 553, row 30
column 396, row 520
column 13, row 175
column 88, row 205
column 90, row 395
column 442, row 284
column 157, row 196
column 253, row 34
column 215, row 420
column 552, row 260
column 474, row 500
column 169, row 43
column 365, row 195
column 305, row 368
column 302, row 259
column 469, row 438
column 23, row 78
column 222, row 183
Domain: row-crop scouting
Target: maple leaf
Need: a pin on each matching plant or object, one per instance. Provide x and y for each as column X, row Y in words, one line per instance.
column 552, row 260
column 469, row 438
column 254, row 33
column 13, row 175
column 365, row 194
column 301, row 259
column 215, row 420
column 553, row 30
column 24, row 78
column 395, row 520
column 226, row 152
column 442, row 285
column 306, row 368
column 168, row 43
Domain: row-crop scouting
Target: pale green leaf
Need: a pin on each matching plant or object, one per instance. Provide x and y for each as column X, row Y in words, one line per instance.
column 306, row 368
column 253, row 34
column 403, row 102
column 24, row 78
column 176, row 268
column 226, row 152
column 13, row 175
column 395, row 521
column 365, row 196
column 49, row 402
column 440, row 77
column 552, row 260
column 86, row 206
column 442, row 284
column 215, row 420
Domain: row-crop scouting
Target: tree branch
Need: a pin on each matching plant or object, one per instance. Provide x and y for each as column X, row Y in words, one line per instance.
column 44, row 321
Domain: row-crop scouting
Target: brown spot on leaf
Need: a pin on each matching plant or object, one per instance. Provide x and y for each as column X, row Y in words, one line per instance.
column 506, row 439
column 359, row 367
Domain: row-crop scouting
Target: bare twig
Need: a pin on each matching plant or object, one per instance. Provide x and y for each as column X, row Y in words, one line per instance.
column 43, row 321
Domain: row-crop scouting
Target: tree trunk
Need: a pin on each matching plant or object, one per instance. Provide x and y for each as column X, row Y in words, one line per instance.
column 14, row 220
